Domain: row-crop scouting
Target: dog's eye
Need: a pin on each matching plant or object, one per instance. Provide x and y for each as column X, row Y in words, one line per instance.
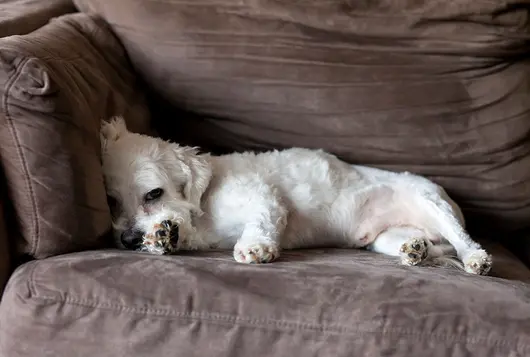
column 153, row 194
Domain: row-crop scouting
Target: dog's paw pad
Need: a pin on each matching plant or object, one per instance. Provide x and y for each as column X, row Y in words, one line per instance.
column 414, row 251
column 258, row 253
column 478, row 262
column 162, row 240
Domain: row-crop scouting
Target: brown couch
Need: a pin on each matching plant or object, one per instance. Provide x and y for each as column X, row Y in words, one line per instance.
column 437, row 88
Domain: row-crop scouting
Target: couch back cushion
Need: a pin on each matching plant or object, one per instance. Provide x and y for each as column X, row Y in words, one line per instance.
column 56, row 85
column 438, row 88
column 21, row 17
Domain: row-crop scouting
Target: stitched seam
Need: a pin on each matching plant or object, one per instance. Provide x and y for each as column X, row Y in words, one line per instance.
column 32, row 287
column 21, row 156
column 278, row 324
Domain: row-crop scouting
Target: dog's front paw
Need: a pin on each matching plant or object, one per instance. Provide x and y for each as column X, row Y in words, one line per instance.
column 414, row 251
column 478, row 262
column 256, row 252
column 162, row 239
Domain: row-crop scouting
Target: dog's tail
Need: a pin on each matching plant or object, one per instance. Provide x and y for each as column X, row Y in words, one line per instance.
column 446, row 261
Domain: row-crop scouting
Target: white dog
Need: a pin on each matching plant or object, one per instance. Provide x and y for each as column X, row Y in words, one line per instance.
column 258, row 204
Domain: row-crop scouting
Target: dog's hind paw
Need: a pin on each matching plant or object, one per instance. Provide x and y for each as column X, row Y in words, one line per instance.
column 414, row 251
column 256, row 253
column 479, row 262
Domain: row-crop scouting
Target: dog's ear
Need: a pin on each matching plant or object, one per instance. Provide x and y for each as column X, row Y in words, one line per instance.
column 112, row 130
column 199, row 173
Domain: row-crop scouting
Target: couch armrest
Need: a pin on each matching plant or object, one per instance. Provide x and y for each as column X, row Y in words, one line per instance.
column 19, row 17
column 56, row 84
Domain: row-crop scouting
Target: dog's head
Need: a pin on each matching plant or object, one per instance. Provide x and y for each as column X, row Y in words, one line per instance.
column 149, row 181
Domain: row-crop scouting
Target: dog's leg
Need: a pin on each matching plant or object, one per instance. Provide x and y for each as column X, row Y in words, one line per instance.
column 436, row 212
column 264, row 218
column 259, row 242
column 409, row 243
column 441, row 216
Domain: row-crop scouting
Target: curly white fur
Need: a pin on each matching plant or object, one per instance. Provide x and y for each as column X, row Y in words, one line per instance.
column 258, row 204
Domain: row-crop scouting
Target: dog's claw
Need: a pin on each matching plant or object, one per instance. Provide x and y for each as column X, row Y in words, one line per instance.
column 257, row 253
column 173, row 232
column 167, row 224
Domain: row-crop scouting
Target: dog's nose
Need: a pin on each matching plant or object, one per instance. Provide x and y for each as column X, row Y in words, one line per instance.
column 131, row 239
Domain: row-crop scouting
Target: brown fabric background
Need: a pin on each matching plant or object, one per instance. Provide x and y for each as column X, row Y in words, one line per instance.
column 329, row 303
column 521, row 247
column 5, row 261
column 56, row 84
column 20, row 17
column 437, row 88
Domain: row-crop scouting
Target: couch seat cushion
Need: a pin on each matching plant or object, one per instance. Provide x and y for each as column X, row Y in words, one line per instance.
column 310, row 303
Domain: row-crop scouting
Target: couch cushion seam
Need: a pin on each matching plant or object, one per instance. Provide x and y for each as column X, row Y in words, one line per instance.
column 270, row 323
column 22, row 158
